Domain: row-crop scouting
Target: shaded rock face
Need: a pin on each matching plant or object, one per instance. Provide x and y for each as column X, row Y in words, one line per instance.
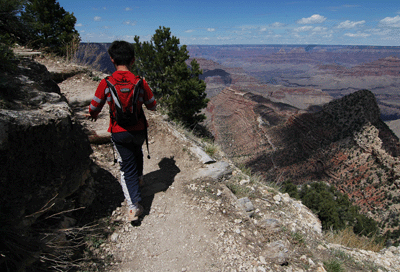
column 345, row 144
column 238, row 120
column 44, row 152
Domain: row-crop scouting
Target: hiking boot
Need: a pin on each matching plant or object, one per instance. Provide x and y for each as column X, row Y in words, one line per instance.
column 134, row 213
column 141, row 181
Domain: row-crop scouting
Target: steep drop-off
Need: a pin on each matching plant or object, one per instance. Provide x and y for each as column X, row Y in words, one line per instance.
column 345, row 144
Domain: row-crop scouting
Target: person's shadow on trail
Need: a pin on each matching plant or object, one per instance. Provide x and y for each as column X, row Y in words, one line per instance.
column 158, row 181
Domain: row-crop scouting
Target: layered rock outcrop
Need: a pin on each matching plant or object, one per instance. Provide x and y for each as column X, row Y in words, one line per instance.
column 43, row 150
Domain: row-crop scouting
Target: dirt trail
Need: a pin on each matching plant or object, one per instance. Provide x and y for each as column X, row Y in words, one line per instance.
column 182, row 230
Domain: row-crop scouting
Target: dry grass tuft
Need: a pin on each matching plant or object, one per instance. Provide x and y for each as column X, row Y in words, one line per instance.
column 348, row 238
column 211, row 149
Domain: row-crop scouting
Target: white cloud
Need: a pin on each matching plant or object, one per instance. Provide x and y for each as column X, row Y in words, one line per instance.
column 357, row 35
column 265, row 30
column 303, row 29
column 128, row 9
column 78, row 25
column 314, row 19
column 278, row 24
column 224, row 38
column 247, row 27
column 210, row 29
column 128, row 37
column 320, row 29
column 131, row 23
column 380, row 31
column 391, row 21
column 189, row 30
column 350, row 24
column 97, row 18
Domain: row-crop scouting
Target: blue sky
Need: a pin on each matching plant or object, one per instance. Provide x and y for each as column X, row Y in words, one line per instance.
column 241, row 22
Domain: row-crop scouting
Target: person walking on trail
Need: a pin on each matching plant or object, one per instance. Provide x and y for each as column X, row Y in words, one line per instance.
column 127, row 139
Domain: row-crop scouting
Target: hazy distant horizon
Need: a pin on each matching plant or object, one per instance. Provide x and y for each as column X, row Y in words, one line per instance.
column 267, row 44
column 210, row 22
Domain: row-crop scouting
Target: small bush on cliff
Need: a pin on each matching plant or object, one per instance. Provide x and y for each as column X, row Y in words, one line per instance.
column 348, row 238
column 333, row 208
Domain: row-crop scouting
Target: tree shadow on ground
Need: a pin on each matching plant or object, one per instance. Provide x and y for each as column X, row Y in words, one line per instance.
column 158, row 181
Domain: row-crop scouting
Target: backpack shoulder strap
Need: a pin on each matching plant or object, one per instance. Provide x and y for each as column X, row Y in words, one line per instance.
column 138, row 86
column 114, row 93
column 136, row 90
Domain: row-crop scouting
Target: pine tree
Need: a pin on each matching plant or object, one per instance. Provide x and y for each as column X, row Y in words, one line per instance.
column 11, row 30
column 51, row 27
column 162, row 61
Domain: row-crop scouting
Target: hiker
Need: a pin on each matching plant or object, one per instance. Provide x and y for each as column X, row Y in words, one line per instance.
column 127, row 139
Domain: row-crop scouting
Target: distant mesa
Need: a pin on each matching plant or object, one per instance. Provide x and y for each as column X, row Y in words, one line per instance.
column 217, row 72
column 298, row 50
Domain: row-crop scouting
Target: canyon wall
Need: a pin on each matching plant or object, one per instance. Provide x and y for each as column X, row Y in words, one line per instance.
column 344, row 143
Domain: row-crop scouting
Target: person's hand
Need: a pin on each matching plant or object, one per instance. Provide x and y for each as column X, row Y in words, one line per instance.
column 88, row 116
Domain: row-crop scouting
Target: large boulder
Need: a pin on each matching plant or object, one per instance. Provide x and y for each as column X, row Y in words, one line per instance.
column 44, row 152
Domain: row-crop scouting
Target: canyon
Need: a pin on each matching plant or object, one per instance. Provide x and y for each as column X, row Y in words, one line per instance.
column 319, row 117
column 333, row 70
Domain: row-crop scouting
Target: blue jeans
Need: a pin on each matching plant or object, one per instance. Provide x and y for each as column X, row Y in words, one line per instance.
column 130, row 157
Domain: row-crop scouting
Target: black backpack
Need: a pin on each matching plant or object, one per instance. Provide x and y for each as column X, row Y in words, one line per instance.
column 126, row 112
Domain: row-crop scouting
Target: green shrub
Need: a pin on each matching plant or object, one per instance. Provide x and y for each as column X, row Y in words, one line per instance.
column 332, row 207
column 211, row 149
column 333, row 266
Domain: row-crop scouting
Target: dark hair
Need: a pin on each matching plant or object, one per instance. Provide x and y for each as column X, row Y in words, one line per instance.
column 122, row 52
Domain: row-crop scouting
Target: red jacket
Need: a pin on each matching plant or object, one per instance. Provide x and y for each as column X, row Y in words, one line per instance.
column 103, row 94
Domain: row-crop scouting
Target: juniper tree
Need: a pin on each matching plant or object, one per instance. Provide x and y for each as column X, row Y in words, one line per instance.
column 11, row 30
column 51, row 27
column 176, row 85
